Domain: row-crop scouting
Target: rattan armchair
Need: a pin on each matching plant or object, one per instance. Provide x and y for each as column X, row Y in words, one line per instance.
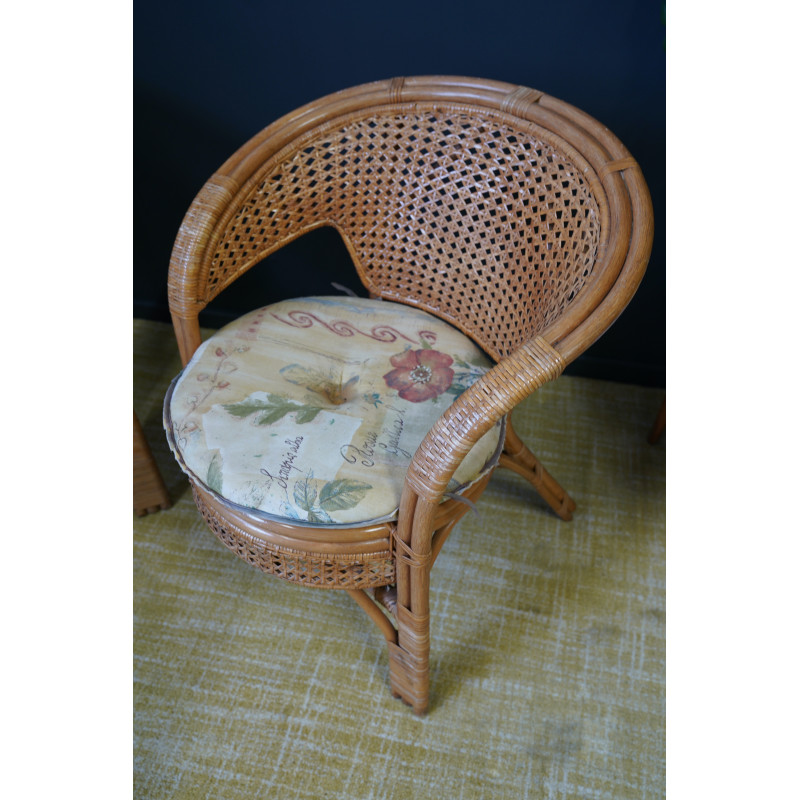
column 510, row 217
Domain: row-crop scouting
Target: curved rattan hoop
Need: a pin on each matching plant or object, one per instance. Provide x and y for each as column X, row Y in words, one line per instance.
column 515, row 216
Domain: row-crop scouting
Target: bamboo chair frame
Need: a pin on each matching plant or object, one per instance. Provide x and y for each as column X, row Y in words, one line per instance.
column 386, row 567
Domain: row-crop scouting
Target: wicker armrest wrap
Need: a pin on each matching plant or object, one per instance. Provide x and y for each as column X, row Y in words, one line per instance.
column 187, row 286
column 453, row 435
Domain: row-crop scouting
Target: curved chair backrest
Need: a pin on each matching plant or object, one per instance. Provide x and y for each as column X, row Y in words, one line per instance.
column 506, row 212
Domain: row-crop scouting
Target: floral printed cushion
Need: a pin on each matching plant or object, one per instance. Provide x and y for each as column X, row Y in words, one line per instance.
column 310, row 410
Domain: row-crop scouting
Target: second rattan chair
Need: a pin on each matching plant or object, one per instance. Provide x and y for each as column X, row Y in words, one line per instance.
column 335, row 441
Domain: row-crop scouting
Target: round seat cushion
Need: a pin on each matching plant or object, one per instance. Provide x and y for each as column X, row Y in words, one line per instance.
column 310, row 410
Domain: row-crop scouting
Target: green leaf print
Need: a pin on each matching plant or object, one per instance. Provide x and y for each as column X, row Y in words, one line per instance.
column 246, row 407
column 304, row 494
column 465, row 374
column 306, row 414
column 341, row 494
column 214, row 475
column 272, row 409
column 475, row 363
column 318, row 516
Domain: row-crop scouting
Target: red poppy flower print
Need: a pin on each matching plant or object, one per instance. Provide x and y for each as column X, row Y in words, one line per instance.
column 420, row 375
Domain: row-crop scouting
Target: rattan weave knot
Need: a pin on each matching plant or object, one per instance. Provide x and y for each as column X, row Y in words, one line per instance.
column 616, row 166
column 408, row 556
column 517, row 101
column 415, row 625
column 396, row 90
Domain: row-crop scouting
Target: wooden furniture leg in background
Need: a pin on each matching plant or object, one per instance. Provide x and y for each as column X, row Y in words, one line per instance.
column 149, row 491
column 659, row 424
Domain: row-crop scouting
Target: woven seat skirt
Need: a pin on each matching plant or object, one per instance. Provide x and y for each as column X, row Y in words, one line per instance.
column 309, row 411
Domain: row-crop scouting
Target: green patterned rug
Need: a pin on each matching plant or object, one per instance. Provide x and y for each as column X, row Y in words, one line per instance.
column 548, row 653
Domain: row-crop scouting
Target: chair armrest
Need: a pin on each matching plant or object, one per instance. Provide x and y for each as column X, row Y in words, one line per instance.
column 475, row 411
column 452, row 436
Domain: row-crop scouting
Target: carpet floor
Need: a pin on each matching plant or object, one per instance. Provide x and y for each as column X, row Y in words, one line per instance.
column 548, row 644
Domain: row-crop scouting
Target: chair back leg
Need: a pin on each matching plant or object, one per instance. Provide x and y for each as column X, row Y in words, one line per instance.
column 517, row 457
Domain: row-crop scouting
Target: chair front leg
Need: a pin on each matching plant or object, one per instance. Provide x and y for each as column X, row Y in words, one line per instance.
column 409, row 659
column 452, row 436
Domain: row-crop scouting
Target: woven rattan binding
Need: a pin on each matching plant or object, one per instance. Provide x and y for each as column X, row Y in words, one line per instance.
column 320, row 570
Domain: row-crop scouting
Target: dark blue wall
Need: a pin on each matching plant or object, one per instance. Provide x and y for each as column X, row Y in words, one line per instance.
column 209, row 75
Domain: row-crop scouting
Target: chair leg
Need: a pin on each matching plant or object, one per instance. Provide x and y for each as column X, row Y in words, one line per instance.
column 517, row 457
column 408, row 663
column 417, row 541
column 409, row 670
